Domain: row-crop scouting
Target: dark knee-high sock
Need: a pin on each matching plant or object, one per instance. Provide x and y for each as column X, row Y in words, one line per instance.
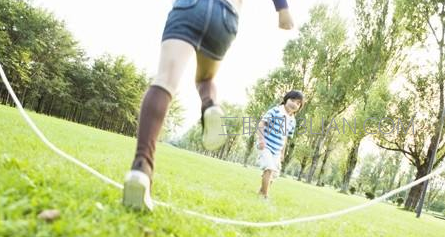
column 207, row 92
column 153, row 110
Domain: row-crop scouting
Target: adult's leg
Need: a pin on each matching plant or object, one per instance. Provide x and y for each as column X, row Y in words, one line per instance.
column 173, row 59
column 210, row 111
column 205, row 73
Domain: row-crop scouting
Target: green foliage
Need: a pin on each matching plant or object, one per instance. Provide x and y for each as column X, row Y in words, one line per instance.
column 352, row 190
column 174, row 119
column 422, row 98
column 399, row 201
column 437, row 206
column 370, row 195
column 378, row 172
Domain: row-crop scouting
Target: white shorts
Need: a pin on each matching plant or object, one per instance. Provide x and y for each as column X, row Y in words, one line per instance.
column 268, row 161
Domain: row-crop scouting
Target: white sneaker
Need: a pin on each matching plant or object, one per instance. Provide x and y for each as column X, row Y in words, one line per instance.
column 214, row 134
column 137, row 190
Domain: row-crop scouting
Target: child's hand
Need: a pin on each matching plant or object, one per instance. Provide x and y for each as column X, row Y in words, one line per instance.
column 285, row 19
column 261, row 144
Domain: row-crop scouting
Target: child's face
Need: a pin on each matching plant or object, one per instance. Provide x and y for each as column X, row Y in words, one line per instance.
column 293, row 104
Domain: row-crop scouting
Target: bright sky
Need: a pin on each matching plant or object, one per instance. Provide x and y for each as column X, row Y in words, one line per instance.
column 134, row 28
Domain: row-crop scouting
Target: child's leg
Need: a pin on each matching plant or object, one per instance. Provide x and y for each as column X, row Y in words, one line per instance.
column 211, row 113
column 174, row 57
column 266, row 182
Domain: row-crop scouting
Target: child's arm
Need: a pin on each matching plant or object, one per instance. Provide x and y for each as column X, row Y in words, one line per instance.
column 284, row 148
column 284, row 17
column 261, row 140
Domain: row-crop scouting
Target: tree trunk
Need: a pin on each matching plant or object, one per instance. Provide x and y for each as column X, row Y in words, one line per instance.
column 393, row 175
column 99, row 121
column 289, row 151
column 287, row 156
column 249, row 147
column 79, row 115
column 303, row 166
column 315, row 158
column 414, row 192
column 350, row 166
column 39, row 104
column 323, row 163
column 232, row 142
column 122, row 129
column 3, row 94
column 23, row 100
column 221, row 151
column 7, row 99
column 75, row 111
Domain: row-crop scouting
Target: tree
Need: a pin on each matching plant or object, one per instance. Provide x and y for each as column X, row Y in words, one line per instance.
column 50, row 73
column 37, row 49
column 332, row 55
column 376, row 58
column 424, row 18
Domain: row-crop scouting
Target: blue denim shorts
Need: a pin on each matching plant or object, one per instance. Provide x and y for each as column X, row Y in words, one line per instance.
column 209, row 25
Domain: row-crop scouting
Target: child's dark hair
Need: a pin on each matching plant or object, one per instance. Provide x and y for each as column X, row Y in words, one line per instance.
column 293, row 94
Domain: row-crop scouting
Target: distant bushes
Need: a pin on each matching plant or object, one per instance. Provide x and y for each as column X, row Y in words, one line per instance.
column 399, row 201
column 352, row 190
column 370, row 195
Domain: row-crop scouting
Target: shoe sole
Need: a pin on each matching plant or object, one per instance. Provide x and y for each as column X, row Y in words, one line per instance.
column 214, row 133
column 135, row 189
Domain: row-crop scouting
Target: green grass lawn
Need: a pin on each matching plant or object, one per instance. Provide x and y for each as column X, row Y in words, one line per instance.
column 33, row 178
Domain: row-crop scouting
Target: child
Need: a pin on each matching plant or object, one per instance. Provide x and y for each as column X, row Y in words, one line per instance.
column 205, row 28
column 274, row 128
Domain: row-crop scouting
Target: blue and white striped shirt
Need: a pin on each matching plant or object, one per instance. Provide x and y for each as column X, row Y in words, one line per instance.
column 279, row 125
